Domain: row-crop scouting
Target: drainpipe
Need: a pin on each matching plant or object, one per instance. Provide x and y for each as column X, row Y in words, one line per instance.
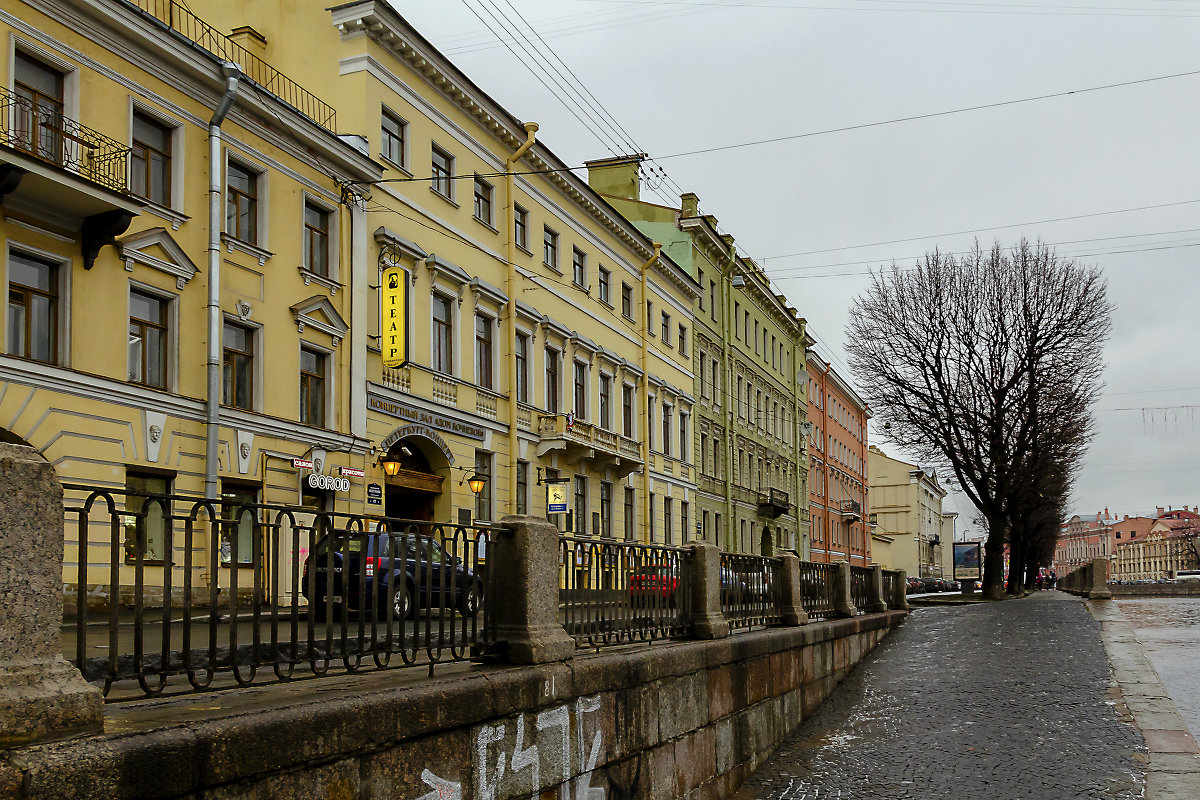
column 646, row 392
column 727, row 394
column 212, row 409
column 510, row 317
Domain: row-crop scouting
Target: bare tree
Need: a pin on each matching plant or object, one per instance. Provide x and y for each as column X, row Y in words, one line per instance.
column 987, row 365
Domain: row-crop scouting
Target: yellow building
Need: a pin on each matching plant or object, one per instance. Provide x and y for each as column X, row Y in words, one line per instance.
column 547, row 337
column 910, row 528
column 145, row 348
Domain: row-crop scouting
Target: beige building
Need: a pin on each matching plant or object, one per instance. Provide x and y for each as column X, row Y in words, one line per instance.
column 911, row 530
column 1158, row 554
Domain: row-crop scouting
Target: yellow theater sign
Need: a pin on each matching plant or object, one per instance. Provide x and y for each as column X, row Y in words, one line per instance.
column 393, row 316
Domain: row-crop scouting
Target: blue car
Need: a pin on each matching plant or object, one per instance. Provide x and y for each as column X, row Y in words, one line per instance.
column 403, row 572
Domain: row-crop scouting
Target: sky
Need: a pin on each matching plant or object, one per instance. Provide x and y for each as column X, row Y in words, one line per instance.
column 686, row 75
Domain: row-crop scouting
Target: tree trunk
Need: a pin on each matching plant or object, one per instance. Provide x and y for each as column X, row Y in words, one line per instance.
column 1016, row 564
column 993, row 560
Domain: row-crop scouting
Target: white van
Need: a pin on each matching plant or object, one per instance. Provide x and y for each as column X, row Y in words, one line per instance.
column 1188, row 575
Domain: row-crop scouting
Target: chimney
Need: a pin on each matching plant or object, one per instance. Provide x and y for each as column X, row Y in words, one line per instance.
column 689, row 204
column 619, row 176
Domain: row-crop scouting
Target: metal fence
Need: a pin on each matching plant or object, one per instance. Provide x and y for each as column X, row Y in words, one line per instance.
column 860, row 587
column 749, row 593
column 41, row 130
column 220, row 591
column 816, row 589
column 179, row 19
column 614, row 592
column 891, row 586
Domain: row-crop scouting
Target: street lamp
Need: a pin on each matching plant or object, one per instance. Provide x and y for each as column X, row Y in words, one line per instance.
column 390, row 466
column 477, row 482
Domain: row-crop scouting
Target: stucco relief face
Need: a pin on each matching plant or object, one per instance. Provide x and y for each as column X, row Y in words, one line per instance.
column 318, row 465
column 155, row 434
column 244, row 450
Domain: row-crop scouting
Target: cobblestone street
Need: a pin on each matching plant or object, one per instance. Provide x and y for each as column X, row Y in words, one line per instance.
column 997, row 700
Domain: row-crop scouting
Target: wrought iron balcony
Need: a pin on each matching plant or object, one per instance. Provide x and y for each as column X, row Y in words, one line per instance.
column 851, row 511
column 773, row 503
column 43, row 133
column 580, row 440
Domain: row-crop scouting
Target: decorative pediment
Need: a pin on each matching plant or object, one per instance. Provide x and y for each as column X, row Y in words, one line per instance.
column 157, row 249
column 319, row 314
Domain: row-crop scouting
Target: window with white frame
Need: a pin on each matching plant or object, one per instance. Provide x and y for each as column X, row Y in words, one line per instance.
column 443, row 334
column 484, row 351
column 521, row 227
column 579, row 267
column 241, row 202
column 483, row 201
column 393, row 135
column 550, row 248
column 442, row 172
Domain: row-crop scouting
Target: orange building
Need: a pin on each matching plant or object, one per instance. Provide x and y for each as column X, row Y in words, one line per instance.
column 837, row 467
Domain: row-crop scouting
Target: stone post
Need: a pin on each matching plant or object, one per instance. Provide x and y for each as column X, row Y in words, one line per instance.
column 787, row 589
column 877, row 603
column 900, row 601
column 1099, row 587
column 843, row 602
column 704, row 574
column 523, row 566
column 41, row 695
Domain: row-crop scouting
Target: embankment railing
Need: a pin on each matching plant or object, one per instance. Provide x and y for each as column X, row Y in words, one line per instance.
column 749, row 590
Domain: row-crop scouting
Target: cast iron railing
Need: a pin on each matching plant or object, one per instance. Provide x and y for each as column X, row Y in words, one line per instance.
column 749, row 592
column 816, row 589
column 219, row 591
column 615, row 592
column 891, row 584
column 44, row 133
column 179, row 19
column 860, row 587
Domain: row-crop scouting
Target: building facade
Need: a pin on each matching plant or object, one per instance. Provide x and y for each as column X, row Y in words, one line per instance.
column 144, row 348
column 838, row 467
column 748, row 359
column 907, row 503
column 1166, row 548
column 1083, row 538
column 547, row 337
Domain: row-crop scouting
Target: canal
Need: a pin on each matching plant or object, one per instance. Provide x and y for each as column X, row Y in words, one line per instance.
column 1169, row 631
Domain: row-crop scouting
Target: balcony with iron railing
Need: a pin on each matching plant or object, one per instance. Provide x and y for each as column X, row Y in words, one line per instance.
column 773, row 502
column 580, row 440
column 176, row 17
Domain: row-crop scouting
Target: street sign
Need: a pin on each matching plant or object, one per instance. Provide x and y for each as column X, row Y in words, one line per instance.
column 301, row 463
column 350, row 472
column 374, row 494
column 556, row 498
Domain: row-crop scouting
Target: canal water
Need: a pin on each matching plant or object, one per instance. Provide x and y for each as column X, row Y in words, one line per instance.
column 1169, row 631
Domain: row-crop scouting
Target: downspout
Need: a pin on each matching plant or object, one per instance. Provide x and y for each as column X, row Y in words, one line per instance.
column 510, row 316
column 212, row 408
column 727, row 394
column 646, row 510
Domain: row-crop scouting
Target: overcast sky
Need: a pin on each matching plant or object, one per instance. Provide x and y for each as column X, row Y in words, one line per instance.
column 682, row 76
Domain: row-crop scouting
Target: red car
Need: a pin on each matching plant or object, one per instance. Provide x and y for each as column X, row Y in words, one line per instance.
column 654, row 584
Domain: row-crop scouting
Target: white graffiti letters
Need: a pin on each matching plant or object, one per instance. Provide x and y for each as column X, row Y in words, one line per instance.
column 442, row 788
column 523, row 757
column 583, row 788
column 487, row 784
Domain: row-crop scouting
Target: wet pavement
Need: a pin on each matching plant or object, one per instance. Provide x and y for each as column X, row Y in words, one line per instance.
column 998, row 700
column 1169, row 631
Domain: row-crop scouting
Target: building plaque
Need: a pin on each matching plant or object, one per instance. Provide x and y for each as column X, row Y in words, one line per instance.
column 421, row 417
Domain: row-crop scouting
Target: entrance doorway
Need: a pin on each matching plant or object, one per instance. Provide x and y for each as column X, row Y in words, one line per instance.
column 413, row 491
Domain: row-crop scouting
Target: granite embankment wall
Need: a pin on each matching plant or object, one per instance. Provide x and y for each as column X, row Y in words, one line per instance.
column 673, row 720
column 1181, row 589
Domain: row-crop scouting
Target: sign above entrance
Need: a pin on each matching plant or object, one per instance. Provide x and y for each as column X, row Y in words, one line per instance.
column 422, row 432
column 301, row 463
column 411, row 414
column 556, row 498
column 330, row 482
column 393, row 317
column 350, row 472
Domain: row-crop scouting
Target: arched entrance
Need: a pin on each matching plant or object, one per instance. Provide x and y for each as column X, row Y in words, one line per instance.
column 423, row 463
column 766, row 546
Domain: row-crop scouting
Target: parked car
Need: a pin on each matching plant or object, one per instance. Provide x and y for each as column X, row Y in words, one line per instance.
column 931, row 584
column 653, row 585
column 914, row 585
column 422, row 575
column 953, row 585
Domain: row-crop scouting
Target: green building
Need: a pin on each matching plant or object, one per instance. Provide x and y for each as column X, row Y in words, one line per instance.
column 748, row 355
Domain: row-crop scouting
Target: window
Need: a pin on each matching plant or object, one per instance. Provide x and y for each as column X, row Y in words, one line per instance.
column 606, row 402
column 704, row 453
column 581, row 505
column 683, row 436
column 649, row 318
column 443, row 334
column 704, row 524
column 629, row 515
column 737, row 316
column 312, row 387
column 666, row 429
column 700, row 280
column 39, row 109
column 716, row 381
column 241, row 203
column 483, row 500
column 650, row 422
column 483, row 351
column 442, row 170
column 756, row 349
column 683, row 521
column 521, row 227
column 32, row 308
column 238, row 523
column 605, row 286
column 712, row 300
column 147, row 513
column 666, row 328
column 626, row 301
column 579, row 267
column 650, row 521
column 580, row 384
column 392, row 133
column 668, row 531
column 550, row 248
column 627, row 411
column 683, row 349
column 237, row 382
column 521, row 354
column 746, row 326
column 147, row 339
column 150, row 159
column 606, row 509
column 483, row 201
column 316, row 239
column 552, row 380
column 522, row 487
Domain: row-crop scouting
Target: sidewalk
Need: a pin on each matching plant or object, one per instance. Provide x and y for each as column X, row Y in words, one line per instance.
column 999, row 700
